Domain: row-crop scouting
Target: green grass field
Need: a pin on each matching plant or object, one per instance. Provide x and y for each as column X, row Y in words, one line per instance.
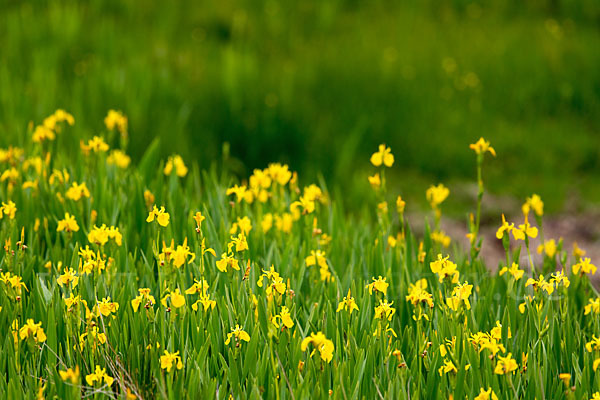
column 247, row 199
column 301, row 82
column 162, row 280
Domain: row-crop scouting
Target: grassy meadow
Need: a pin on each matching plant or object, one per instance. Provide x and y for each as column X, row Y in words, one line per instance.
column 164, row 280
column 300, row 82
column 212, row 199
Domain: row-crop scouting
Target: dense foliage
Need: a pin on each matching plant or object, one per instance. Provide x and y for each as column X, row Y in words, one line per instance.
column 295, row 82
column 159, row 280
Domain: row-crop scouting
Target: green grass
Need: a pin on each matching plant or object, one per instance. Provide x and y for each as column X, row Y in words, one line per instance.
column 319, row 84
column 363, row 365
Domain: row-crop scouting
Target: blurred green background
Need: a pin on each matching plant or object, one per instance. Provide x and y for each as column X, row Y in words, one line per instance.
column 320, row 83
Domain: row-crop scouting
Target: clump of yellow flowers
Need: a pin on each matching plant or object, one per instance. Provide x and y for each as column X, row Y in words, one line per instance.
column 420, row 298
column 116, row 119
column 51, row 126
column 445, row 269
column 68, row 224
column 348, row 303
column 160, row 215
column 175, row 163
column 98, row 376
column 238, row 334
column 144, row 297
column 169, row 360
column 77, row 191
column 383, row 156
column 317, row 257
column 460, row 296
column 33, row 331
column 321, row 344
column 101, row 235
column 8, row 210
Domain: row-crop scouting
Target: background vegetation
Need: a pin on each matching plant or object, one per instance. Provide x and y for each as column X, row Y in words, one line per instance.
column 319, row 84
